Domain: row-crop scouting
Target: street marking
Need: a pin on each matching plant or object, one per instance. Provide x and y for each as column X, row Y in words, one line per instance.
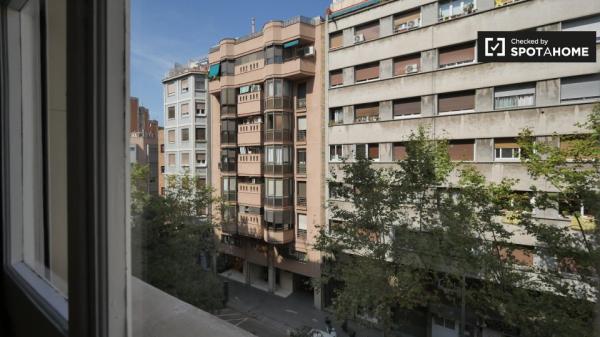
column 291, row 311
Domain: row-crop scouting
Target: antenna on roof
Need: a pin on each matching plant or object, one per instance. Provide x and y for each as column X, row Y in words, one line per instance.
column 253, row 25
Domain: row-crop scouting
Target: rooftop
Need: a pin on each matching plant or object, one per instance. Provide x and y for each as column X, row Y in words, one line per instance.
column 193, row 66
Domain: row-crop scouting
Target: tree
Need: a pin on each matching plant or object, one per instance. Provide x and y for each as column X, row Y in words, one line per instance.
column 171, row 234
column 572, row 251
column 428, row 233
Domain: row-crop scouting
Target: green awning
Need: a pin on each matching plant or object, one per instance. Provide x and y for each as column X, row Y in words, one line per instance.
column 291, row 43
column 214, row 70
column 244, row 89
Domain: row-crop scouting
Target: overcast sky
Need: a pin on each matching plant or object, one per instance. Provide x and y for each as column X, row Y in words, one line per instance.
column 165, row 32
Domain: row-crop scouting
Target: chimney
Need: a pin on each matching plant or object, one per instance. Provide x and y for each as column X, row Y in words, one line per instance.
column 253, row 24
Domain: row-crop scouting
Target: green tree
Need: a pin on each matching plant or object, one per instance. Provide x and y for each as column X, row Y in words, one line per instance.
column 408, row 238
column 170, row 235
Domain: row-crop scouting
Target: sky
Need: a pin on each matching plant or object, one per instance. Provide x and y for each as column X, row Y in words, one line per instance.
column 167, row 31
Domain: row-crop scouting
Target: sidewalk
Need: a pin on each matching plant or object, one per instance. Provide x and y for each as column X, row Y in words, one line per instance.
column 285, row 314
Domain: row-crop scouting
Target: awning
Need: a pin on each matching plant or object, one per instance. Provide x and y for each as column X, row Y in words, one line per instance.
column 365, row 3
column 244, row 89
column 291, row 43
column 214, row 70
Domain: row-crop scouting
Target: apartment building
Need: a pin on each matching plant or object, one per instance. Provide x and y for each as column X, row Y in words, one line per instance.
column 143, row 142
column 161, row 160
column 186, row 119
column 267, row 107
column 425, row 72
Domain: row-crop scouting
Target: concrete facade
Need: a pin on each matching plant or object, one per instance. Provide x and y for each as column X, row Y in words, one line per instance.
column 266, row 94
column 186, row 119
column 489, row 120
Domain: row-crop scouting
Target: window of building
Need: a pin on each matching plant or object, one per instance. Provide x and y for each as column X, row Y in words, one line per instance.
column 462, row 101
column 513, row 96
column 171, row 88
column 301, row 129
column 366, row 32
column 407, row 20
column 336, row 77
column 301, row 193
column 590, row 23
column 199, row 83
column 456, row 55
column 302, row 225
column 335, row 153
column 407, row 64
column 279, row 191
column 506, row 149
column 171, row 112
column 365, row 72
column 301, row 161
column 185, row 159
column 162, row 169
column 185, row 134
column 368, row 112
column 274, row 54
column 185, row 110
column 227, row 67
column 336, row 116
column 444, row 322
column 369, row 151
column 162, row 148
column 200, row 109
column 171, row 136
column 301, row 96
column 249, row 58
column 461, row 150
column 200, row 158
column 278, row 154
column 171, row 159
column 407, row 107
column 580, row 87
column 398, row 151
column 455, row 8
column 200, row 134
column 336, row 40
column 185, row 85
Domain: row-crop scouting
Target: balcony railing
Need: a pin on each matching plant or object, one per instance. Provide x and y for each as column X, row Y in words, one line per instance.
column 301, row 136
column 250, row 225
column 279, row 201
column 229, row 195
column 249, row 134
column 249, row 104
column 250, row 194
column 228, row 137
column 228, row 111
column 275, row 169
column 250, row 164
column 301, row 201
column 302, row 234
column 228, row 166
column 278, row 135
column 277, row 103
column 301, row 168
column 279, row 236
column 301, row 103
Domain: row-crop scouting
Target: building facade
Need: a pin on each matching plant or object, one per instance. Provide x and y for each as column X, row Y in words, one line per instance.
column 161, row 160
column 267, row 131
column 143, row 142
column 426, row 73
column 186, row 120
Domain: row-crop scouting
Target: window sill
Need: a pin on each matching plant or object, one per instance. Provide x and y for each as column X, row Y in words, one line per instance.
column 457, row 112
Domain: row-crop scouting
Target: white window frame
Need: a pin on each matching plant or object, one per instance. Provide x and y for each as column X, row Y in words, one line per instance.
column 336, row 158
column 506, row 159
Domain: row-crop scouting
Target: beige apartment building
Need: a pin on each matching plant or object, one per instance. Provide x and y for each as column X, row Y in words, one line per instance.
column 396, row 65
column 268, row 139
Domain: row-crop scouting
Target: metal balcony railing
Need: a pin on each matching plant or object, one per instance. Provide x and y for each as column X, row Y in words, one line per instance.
column 301, row 136
column 301, row 201
column 301, row 168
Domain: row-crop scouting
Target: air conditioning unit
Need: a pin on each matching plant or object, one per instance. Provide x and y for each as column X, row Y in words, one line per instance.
column 411, row 68
column 410, row 24
column 308, row 51
column 359, row 38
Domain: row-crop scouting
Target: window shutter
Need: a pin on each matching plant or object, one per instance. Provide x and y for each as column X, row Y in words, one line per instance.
column 336, row 40
column 406, row 107
column 586, row 24
column 406, row 17
column 401, row 63
column 336, row 78
column 505, row 143
column 458, row 101
column 461, row 150
column 366, row 110
column 399, row 151
column 185, row 109
column 457, row 54
column 580, row 87
column 302, row 223
column 374, row 151
column 514, row 90
column 366, row 72
column 185, row 159
column 369, row 30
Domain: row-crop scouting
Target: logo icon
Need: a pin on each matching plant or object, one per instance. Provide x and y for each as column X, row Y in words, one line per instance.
column 495, row 46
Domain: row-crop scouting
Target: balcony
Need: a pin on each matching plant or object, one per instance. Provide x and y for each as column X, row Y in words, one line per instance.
column 250, row 164
column 229, row 167
column 301, row 168
column 229, row 227
column 250, row 225
column 228, row 138
column 301, row 136
column 250, row 194
column 228, row 111
column 249, row 104
column 301, row 201
column 249, row 134
column 279, row 236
